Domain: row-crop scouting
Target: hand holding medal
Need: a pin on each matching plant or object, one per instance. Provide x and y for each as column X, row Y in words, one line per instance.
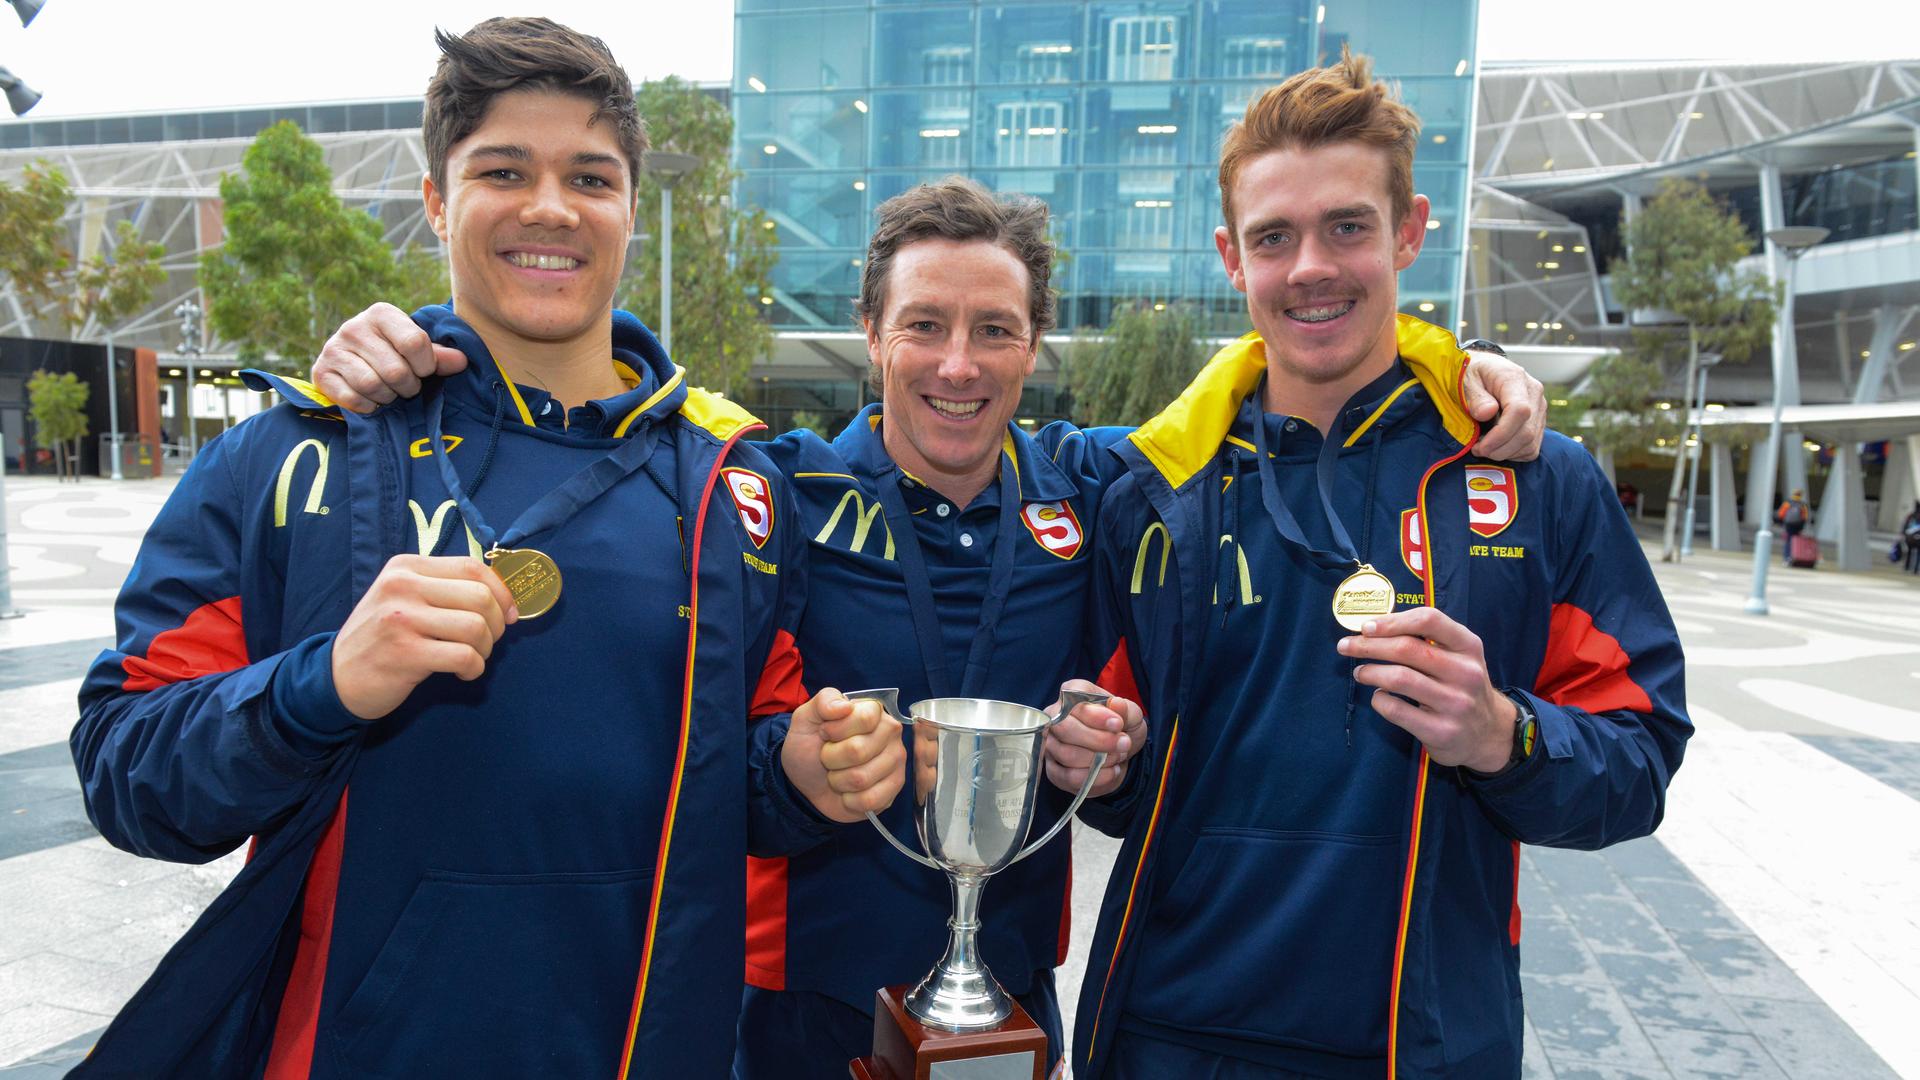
column 423, row 615
column 1431, row 678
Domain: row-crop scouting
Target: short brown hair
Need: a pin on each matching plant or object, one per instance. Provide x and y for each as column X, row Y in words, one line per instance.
column 1338, row 103
column 957, row 208
column 500, row 55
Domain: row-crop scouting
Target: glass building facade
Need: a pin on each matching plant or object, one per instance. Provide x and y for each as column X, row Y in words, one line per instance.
column 1110, row 110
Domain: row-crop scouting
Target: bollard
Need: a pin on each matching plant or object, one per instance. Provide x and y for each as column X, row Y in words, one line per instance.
column 7, row 610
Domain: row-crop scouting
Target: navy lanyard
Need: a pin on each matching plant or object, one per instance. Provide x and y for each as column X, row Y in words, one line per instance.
column 920, row 599
column 1348, row 556
column 555, row 508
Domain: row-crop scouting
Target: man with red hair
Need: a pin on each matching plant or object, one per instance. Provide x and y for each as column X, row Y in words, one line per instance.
column 1321, row 879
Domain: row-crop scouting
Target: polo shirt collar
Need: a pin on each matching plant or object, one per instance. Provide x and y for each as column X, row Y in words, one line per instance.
column 1040, row 480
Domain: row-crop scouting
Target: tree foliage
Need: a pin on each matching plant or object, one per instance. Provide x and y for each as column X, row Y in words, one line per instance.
column 59, row 407
column 296, row 263
column 1683, row 253
column 1618, row 410
column 106, row 287
column 723, row 255
column 1683, row 250
column 1146, row 359
column 33, row 249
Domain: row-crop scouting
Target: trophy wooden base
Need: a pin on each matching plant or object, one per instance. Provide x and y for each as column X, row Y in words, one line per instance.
column 906, row 1049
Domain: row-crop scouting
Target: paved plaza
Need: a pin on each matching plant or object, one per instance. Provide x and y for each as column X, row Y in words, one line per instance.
column 1771, row 928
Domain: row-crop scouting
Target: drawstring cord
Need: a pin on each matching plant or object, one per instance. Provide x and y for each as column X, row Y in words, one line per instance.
column 1230, row 565
column 486, row 459
column 1366, row 554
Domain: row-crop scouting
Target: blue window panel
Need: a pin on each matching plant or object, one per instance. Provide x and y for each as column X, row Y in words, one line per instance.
column 1143, row 126
column 807, row 131
column 819, row 51
column 811, row 209
column 1032, row 44
column 1026, row 128
column 1140, row 42
column 1406, row 38
column 816, row 288
column 930, row 130
column 927, row 46
column 1255, row 39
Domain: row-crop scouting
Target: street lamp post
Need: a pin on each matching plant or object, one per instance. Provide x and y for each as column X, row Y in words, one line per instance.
column 1793, row 241
column 113, row 409
column 189, row 315
column 668, row 168
column 1707, row 360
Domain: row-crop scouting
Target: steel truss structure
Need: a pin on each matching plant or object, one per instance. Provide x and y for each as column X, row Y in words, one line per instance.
column 1559, row 149
column 171, row 192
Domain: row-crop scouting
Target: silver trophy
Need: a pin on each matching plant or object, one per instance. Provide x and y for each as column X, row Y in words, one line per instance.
column 976, row 777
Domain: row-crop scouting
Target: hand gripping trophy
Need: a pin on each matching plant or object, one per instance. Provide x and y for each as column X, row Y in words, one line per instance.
column 976, row 779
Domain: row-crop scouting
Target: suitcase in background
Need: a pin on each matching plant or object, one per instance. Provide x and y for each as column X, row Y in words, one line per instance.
column 1804, row 551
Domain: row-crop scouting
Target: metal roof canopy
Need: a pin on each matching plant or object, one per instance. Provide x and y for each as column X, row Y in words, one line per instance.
column 1822, row 423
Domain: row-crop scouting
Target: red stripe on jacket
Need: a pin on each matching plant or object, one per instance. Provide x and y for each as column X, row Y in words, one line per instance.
column 291, row 1057
column 1585, row 667
column 208, row 642
column 780, row 688
column 767, row 923
column 1116, row 677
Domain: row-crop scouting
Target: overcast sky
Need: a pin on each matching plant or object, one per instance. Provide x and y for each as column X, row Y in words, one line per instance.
column 91, row 57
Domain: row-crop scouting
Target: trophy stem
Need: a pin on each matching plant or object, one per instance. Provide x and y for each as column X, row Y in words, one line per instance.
column 960, row 994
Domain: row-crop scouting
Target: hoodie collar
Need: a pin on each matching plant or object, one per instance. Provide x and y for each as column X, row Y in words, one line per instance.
column 656, row 388
column 1039, row 480
column 1186, row 435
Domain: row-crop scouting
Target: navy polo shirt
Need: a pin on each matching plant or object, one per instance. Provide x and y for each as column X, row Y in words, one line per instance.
column 806, row 932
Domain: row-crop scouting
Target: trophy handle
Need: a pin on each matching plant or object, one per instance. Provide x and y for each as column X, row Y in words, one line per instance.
column 900, row 847
column 1069, row 699
column 889, row 699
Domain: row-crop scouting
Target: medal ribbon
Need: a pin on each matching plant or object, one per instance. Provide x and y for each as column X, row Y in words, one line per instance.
column 1348, row 556
column 920, row 601
column 557, row 506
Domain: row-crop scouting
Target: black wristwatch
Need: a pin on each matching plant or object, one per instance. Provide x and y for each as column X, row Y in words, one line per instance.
column 1526, row 728
column 1481, row 344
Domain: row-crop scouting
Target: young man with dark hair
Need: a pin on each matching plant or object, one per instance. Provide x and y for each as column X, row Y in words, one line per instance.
column 1374, row 663
column 476, row 673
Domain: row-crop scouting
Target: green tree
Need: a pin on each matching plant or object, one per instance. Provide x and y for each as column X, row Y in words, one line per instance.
column 811, row 421
column 33, row 250
column 296, row 263
column 723, row 255
column 59, row 407
column 1683, row 250
column 106, row 287
column 1146, row 358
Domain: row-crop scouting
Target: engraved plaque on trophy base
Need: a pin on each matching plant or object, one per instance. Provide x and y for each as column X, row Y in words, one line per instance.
column 906, row 1049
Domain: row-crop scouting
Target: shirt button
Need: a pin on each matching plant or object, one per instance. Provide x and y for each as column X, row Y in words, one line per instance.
column 966, row 540
column 943, row 509
column 1293, row 425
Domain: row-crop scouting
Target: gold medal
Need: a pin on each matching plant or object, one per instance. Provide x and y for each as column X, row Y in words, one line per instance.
column 1366, row 594
column 530, row 576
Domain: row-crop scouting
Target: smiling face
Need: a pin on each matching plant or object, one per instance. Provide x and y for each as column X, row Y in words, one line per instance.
column 955, row 345
column 1318, row 254
column 536, row 215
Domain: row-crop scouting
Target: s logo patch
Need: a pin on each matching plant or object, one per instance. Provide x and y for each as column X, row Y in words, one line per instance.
column 1413, row 549
column 1053, row 527
column 1493, row 499
column 753, row 498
